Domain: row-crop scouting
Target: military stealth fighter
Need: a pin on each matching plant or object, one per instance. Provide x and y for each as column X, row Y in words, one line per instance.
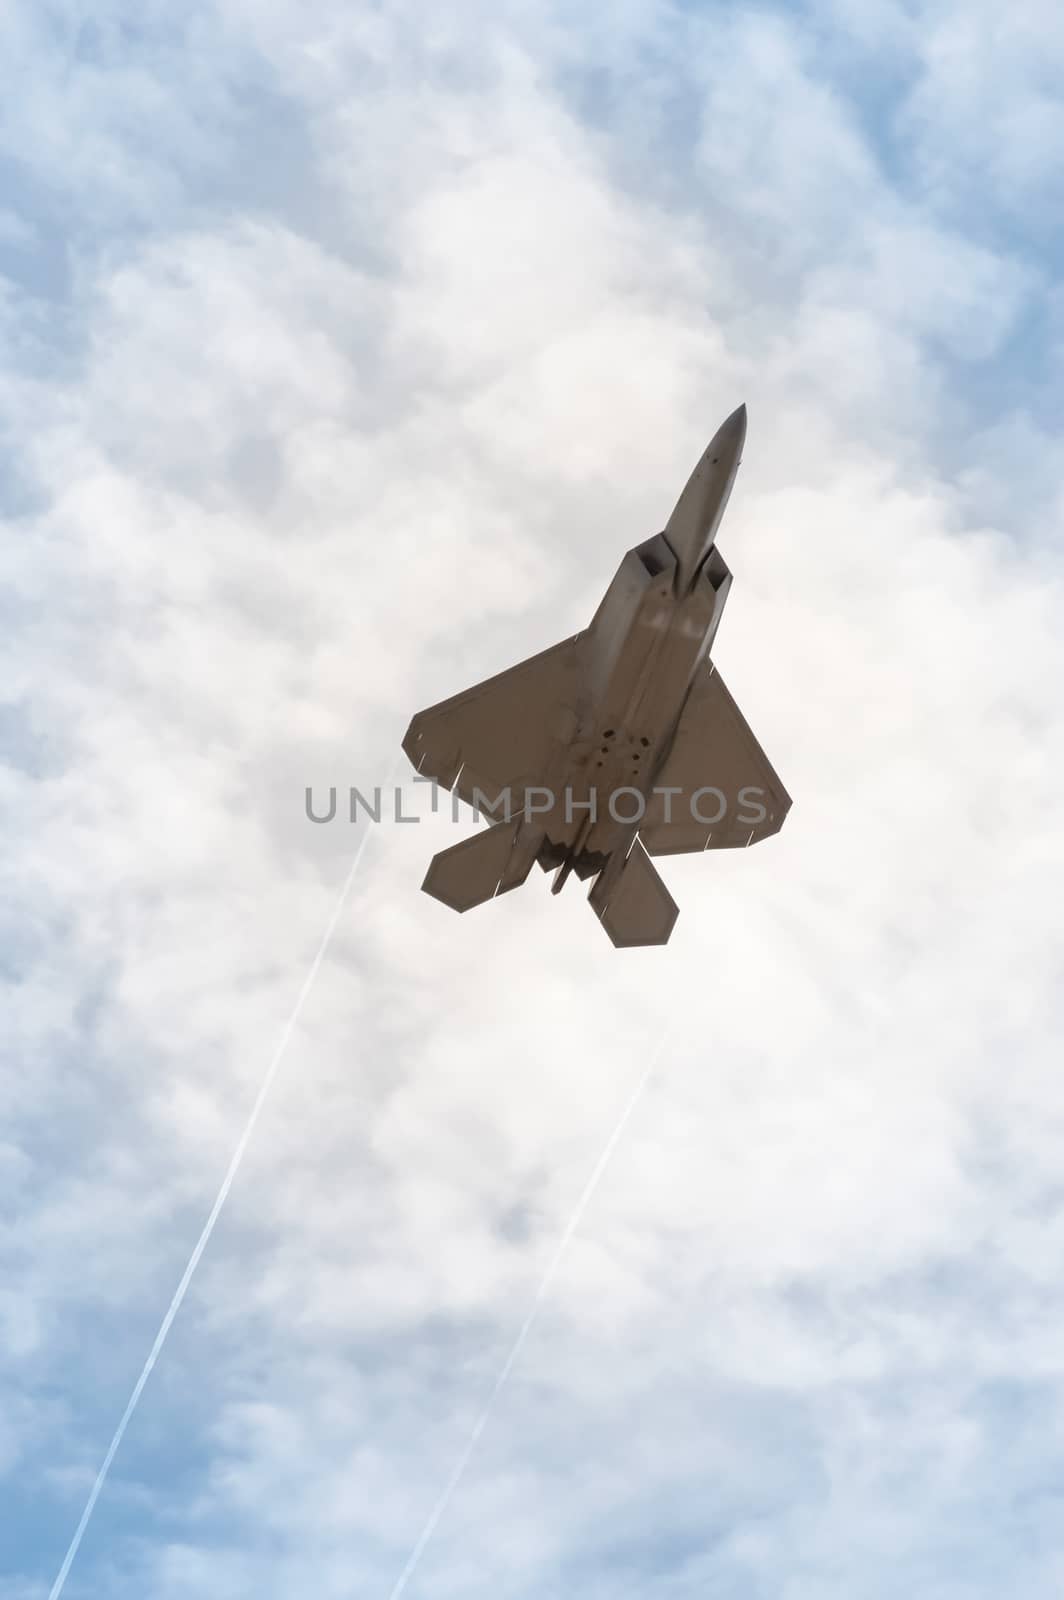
column 616, row 745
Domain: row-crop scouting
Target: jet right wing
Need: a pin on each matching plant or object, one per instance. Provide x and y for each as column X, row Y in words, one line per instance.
column 714, row 750
column 504, row 732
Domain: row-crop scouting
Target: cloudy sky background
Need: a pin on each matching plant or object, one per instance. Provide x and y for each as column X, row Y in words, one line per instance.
column 346, row 349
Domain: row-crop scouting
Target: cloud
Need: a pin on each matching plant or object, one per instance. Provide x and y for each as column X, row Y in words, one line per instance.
column 983, row 111
column 316, row 442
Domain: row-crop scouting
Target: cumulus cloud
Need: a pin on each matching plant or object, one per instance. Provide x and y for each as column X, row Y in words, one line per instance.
column 311, row 439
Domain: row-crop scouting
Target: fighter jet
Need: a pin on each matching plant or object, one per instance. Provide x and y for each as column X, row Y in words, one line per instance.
column 619, row 744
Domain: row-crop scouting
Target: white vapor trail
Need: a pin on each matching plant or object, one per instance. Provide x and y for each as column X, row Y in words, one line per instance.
column 518, row 1345
column 208, row 1227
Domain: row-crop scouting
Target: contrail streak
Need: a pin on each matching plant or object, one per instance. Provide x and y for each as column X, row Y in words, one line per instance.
column 518, row 1345
column 208, row 1227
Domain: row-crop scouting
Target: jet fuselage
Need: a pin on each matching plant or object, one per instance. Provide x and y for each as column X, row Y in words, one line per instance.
column 645, row 645
column 653, row 630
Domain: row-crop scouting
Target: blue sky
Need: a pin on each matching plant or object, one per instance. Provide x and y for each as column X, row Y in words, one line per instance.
column 345, row 352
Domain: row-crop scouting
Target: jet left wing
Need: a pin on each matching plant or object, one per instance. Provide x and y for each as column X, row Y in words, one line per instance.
column 504, row 732
column 714, row 751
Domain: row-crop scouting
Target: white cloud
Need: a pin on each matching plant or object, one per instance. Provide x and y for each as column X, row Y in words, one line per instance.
column 301, row 482
column 984, row 110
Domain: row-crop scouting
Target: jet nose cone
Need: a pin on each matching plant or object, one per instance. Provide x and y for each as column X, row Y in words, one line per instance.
column 693, row 525
column 726, row 446
column 732, row 430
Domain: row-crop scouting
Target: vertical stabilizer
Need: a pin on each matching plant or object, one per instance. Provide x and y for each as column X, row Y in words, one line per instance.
column 471, row 872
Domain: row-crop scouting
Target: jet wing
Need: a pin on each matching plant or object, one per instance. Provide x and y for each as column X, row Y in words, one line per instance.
column 715, row 751
column 505, row 732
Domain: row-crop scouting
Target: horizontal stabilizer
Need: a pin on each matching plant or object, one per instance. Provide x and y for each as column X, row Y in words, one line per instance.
column 469, row 873
column 632, row 903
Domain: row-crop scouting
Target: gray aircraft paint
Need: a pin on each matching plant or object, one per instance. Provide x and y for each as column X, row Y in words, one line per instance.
column 633, row 702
